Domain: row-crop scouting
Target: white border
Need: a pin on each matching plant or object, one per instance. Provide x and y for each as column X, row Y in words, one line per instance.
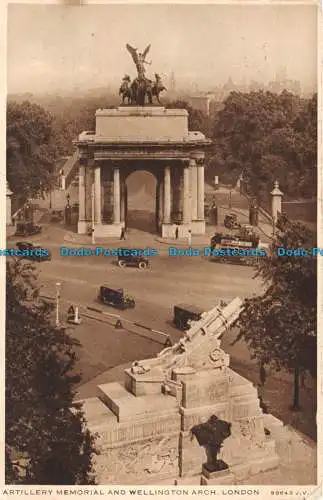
column 299, row 492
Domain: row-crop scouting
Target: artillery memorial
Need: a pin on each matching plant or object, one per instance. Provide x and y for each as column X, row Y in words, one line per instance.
column 184, row 416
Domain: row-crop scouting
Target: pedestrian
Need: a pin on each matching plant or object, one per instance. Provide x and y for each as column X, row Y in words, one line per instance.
column 123, row 233
column 189, row 237
column 176, row 232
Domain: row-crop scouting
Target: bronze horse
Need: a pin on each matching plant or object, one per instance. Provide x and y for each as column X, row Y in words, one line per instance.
column 154, row 91
column 125, row 91
column 136, row 92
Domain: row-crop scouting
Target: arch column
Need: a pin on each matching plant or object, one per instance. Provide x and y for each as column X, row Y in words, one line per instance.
column 116, row 195
column 200, row 192
column 97, row 194
column 197, row 196
column 161, row 201
column 123, row 201
column 193, row 175
column 186, row 194
column 81, row 225
column 167, row 196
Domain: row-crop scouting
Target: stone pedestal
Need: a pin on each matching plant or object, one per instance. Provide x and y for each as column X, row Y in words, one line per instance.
column 82, row 227
column 217, row 477
column 139, row 413
column 169, row 231
column 136, row 123
column 197, row 227
column 108, row 230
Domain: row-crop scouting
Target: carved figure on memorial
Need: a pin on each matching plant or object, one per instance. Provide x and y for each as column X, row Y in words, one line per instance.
column 219, row 358
column 211, row 435
column 139, row 369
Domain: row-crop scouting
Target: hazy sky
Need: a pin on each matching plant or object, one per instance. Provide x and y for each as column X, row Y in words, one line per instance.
column 53, row 46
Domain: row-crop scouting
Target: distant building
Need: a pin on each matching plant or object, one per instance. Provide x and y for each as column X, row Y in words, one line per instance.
column 202, row 102
column 281, row 74
column 293, row 86
column 282, row 82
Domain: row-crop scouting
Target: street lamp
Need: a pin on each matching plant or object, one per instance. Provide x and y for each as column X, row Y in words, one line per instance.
column 58, row 289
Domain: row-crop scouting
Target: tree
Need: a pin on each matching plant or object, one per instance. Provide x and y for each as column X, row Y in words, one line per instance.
column 280, row 325
column 31, row 152
column 46, row 438
column 267, row 137
column 197, row 120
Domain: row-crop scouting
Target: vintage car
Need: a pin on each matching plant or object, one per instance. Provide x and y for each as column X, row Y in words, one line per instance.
column 184, row 314
column 34, row 251
column 133, row 261
column 115, row 298
column 27, row 229
column 87, row 136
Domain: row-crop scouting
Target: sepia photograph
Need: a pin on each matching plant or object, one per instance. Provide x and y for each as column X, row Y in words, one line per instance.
column 162, row 247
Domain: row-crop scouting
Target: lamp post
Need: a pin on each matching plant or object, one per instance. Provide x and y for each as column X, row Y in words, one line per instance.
column 92, row 210
column 58, row 289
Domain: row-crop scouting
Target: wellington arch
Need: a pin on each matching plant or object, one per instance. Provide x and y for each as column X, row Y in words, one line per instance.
column 128, row 139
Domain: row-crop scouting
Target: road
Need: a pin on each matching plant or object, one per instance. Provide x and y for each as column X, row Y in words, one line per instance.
column 168, row 281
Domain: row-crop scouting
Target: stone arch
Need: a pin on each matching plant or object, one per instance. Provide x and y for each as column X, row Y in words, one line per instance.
column 140, row 197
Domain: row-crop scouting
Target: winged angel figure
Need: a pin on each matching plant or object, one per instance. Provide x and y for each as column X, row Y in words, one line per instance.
column 140, row 60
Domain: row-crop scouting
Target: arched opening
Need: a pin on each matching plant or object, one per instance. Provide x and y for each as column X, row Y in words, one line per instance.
column 141, row 201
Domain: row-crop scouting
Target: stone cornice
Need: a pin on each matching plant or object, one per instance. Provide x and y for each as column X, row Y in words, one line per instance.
column 149, row 144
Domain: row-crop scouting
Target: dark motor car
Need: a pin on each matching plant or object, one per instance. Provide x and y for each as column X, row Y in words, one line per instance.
column 34, row 251
column 27, row 229
column 57, row 215
column 185, row 313
column 132, row 260
column 116, row 298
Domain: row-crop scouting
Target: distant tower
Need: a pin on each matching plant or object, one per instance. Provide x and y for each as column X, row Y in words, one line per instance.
column 172, row 82
column 281, row 74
